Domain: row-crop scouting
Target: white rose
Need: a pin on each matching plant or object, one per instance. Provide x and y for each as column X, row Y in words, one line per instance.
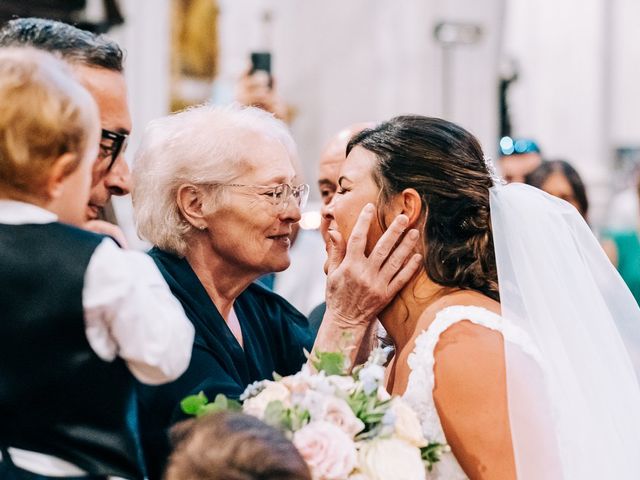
column 273, row 391
column 406, row 423
column 385, row 458
column 329, row 452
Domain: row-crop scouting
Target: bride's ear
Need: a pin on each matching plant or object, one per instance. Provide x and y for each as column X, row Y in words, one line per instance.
column 407, row 202
column 410, row 204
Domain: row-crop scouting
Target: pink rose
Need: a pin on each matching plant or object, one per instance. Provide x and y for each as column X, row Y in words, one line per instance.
column 338, row 412
column 328, row 451
column 297, row 384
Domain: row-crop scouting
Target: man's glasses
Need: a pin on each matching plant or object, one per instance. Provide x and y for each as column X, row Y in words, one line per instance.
column 279, row 195
column 112, row 144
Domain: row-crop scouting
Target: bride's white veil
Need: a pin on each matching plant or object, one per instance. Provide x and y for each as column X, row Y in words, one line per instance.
column 575, row 410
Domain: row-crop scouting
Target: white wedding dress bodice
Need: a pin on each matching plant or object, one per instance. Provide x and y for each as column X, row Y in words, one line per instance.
column 419, row 392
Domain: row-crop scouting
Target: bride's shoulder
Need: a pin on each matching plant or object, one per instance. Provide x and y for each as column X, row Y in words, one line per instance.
column 469, row 354
column 465, row 330
column 466, row 347
column 464, row 313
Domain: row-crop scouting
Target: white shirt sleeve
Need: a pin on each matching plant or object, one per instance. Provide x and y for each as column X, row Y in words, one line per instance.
column 130, row 312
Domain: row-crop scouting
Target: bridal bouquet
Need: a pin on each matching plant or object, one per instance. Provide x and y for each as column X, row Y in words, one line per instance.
column 345, row 426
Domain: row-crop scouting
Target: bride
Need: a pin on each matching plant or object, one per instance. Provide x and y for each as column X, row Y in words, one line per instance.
column 509, row 339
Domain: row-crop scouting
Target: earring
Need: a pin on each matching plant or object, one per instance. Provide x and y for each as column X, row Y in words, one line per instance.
column 202, row 227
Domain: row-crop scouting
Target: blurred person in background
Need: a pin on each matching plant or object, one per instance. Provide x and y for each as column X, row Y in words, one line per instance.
column 259, row 89
column 560, row 179
column 251, row 450
column 97, row 63
column 623, row 249
column 518, row 157
column 220, row 210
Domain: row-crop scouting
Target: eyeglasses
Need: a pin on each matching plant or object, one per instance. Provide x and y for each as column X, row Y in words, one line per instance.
column 112, row 144
column 278, row 195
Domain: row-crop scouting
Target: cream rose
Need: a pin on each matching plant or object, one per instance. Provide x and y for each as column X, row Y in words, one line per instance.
column 406, row 424
column 386, row 458
column 273, row 391
column 329, row 452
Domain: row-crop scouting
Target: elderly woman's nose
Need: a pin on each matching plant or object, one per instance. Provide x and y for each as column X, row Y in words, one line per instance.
column 291, row 212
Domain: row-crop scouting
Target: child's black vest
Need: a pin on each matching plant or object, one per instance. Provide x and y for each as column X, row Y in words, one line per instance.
column 56, row 395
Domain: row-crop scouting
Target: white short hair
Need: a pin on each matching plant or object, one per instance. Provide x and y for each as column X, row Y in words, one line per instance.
column 198, row 145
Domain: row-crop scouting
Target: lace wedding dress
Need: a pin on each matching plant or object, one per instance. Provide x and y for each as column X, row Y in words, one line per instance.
column 419, row 392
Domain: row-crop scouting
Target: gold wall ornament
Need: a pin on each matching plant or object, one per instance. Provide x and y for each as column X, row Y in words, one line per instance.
column 194, row 51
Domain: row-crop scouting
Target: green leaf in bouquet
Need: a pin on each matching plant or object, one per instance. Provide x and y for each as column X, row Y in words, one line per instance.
column 369, row 409
column 225, row 403
column 209, row 408
column 331, row 363
column 432, row 453
column 234, row 405
column 274, row 414
column 199, row 405
column 192, row 404
column 298, row 418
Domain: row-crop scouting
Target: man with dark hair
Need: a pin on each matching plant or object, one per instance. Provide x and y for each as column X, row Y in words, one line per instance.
column 97, row 63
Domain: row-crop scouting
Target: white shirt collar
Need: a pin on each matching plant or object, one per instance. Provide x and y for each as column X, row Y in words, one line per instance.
column 13, row 212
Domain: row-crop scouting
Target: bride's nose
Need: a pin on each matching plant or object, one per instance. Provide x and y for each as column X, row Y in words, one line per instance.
column 327, row 210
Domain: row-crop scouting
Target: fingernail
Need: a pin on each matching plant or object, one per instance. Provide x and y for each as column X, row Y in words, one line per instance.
column 417, row 258
column 403, row 219
column 413, row 234
column 368, row 208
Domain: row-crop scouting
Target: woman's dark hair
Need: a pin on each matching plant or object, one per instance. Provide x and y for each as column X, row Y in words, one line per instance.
column 547, row 168
column 444, row 163
column 233, row 446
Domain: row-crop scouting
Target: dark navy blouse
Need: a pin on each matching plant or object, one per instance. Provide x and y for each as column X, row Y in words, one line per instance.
column 274, row 334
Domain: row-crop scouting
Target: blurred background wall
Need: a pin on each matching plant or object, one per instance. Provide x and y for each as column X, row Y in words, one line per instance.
column 577, row 64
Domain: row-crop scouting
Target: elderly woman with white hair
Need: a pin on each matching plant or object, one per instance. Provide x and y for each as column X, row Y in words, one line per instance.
column 215, row 191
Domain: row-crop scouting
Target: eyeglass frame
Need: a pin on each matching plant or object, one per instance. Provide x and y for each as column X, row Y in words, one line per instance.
column 303, row 187
column 120, row 141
